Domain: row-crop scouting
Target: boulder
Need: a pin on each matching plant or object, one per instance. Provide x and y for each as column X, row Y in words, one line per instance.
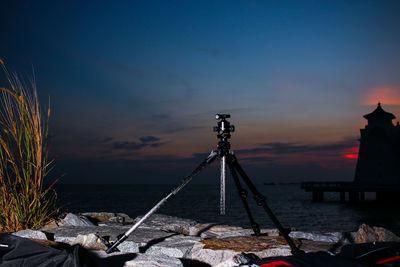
column 102, row 217
column 75, row 220
column 246, row 243
column 385, row 235
column 67, row 234
column 213, row 257
column 91, row 241
column 175, row 246
column 99, row 216
column 209, row 230
column 31, row 234
column 140, row 238
column 367, row 234
column 168, row 223
column 145, row 260
column 227, row 251
column 128, row 246
column 330, row 237
column 51, row 224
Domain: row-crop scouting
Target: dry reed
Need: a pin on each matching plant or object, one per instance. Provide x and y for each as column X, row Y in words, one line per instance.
column 25, row 200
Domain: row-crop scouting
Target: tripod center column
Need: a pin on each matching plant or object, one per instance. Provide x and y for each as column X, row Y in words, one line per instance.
column 223, row 186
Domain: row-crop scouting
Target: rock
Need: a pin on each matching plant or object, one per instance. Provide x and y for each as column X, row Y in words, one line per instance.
column 129, row 246
column 50, row 224
column 139, row 238
column 122, row 218
column 270, row 232
column 330, row 237
column 225, row 251
column 145, row 260
column 367, row 234
column 246, row 243
column 101, row 217
column 316, row 246
column 31, row 234
column 385, row 235
column 91, row 241
column 213, row 257
column 146, row 238
column 210, row 230
column 175, row 246
column 245, row 258
column 67, row 234
column 75, row 220
column 168, row 223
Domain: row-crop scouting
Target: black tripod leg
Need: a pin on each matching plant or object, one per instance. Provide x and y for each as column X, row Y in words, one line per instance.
column 261, row 201
column 243, row 196
column 184, row 182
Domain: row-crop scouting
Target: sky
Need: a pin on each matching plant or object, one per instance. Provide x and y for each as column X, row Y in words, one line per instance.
column 134, row 86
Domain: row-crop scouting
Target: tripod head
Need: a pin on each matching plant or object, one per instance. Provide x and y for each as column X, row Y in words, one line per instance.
column 223, row 130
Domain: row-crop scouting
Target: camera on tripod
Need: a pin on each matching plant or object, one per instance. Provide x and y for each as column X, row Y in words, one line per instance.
column 224, row 128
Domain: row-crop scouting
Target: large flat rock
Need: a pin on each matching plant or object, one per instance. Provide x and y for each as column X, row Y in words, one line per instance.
column 177, row 246
column 145, row 260
column 140, row 238
column 168, row 223
column 225, row 251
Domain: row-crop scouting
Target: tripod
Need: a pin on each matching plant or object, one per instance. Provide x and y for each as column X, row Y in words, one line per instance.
column 227, row 158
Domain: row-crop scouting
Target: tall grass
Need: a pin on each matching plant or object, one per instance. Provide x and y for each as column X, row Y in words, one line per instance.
column 25, row 201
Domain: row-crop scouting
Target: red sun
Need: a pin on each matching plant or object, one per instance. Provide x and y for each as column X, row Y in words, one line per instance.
column 351, row 153
column 351, row 156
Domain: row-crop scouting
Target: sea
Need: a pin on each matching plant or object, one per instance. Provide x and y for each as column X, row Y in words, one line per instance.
column 291, row 205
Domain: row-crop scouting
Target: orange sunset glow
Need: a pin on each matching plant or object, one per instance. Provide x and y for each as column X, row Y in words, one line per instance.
column 385, row 95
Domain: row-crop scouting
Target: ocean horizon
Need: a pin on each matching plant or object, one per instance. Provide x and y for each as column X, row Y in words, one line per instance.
column 292, row 206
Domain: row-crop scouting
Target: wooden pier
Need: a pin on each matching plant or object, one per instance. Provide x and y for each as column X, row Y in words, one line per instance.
column 353, row 191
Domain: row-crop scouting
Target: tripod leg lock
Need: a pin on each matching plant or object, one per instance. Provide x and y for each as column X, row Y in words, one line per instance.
column 243, row 193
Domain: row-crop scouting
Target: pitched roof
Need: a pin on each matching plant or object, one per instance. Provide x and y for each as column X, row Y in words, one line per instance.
column 379, row 113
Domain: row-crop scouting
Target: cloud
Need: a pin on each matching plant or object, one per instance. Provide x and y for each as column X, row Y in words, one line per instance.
column 171, row 169
column 294, row 148
column 144, row 141
column 386, row 95
column 328, row 156
column 128, row 145
column 148, row 139
column 258, row 160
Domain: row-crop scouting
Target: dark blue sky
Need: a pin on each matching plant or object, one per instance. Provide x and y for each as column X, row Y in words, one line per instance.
column 134, row 85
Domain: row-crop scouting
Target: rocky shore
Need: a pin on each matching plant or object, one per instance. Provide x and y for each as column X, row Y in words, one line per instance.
column 170, row 241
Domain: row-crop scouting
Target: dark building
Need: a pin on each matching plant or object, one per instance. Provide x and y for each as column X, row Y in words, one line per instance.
column 379, row 155
column 378, row 164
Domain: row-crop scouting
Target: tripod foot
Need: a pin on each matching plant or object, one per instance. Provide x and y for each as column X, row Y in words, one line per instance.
column 256, row 228
column 113, row 248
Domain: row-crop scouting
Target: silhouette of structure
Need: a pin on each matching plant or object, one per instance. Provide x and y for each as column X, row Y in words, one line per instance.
column 378, row 163
column 379, row 155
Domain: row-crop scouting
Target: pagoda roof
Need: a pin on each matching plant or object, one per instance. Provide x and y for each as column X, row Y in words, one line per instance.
column 379, row 113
